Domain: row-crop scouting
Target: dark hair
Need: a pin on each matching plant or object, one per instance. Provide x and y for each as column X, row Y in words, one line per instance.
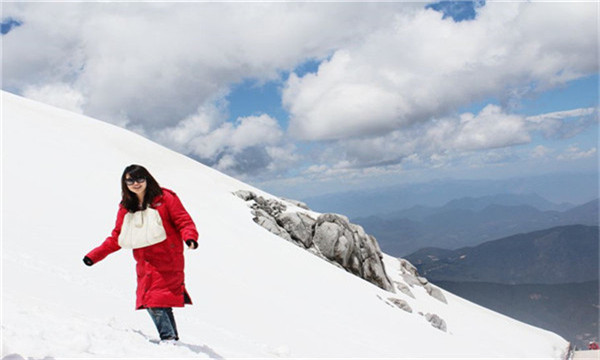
column 129, row 199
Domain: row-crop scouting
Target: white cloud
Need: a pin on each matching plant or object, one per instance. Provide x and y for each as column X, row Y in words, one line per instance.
column 472, row 140
column 421, row 66
column 436, row 140
column 496, row 157
column 387, row 93
column 256, row 130
column 205, row 123
column 155, row 63
column 488, row 138
column 283, row 157
column 57, row 94
column 563, row 124
column 252, row 145
column 165, row 69
column 491, row 128
column 559, row 115
column 540, row 151
column 575, row 153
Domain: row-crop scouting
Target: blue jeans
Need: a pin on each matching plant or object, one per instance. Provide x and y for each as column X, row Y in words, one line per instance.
column 165, row 322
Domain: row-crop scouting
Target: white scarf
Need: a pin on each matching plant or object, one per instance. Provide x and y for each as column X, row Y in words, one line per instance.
column 142, row 228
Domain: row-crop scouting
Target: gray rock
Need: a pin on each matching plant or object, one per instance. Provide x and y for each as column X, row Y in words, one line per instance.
column 270, row 206
column 436, row 321
column 436, row 293
column 411, row 280
column 404, row 289
column 265, row 220
column 348, row 245
column 411, row 277
column 401, row 304
column 299, row 226
column 315, row 251
column 408, row 268
column 245, row 195
column 326, row 236
column 374, row 270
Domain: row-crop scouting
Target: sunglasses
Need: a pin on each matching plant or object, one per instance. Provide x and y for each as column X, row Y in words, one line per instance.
column 131, row 181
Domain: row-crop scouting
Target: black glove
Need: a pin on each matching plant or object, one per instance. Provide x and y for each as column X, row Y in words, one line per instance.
column 88, row 261
column 192, row 244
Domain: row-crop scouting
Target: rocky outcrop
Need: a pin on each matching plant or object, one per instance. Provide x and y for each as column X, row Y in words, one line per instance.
column 333, row 238
column 299, row 226
column 263, row 219
column 401, row 304
column 436, row 293
column 436, row 321
column 329, row 236
column 404, row 289
column 348, row 245
column 411, row 276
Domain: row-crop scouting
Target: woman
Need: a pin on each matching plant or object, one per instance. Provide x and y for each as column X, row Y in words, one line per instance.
column 152, row 221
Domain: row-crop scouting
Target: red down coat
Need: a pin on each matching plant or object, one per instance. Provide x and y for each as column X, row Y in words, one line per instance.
column 160, row 276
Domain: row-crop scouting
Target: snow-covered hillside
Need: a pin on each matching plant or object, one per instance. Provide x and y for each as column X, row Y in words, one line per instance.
column 255, row 294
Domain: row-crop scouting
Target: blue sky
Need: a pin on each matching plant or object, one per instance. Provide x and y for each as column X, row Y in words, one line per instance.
column 8, row 24
column 457, row 10
column 252, row 97
column 308, row 98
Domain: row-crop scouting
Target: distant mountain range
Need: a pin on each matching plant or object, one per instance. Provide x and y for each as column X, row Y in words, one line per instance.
column 480, row 203
column 564, row 254
column 470, row 221
column 574, row 188
column 570, row 310
column 546, row 278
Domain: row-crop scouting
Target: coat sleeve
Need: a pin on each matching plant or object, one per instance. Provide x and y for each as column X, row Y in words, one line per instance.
column 181, row 218
column 111, row 244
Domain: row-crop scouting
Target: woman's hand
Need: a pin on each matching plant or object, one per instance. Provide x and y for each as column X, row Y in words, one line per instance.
column 88, row 261
column 192, row 244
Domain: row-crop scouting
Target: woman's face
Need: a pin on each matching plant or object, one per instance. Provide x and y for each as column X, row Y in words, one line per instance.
column 136, row 185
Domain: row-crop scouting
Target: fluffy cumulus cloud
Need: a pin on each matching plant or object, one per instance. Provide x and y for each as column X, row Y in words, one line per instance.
column 390, row 80
column 485, row 137
column 57, row 94
column 165, row 70
column 491, row 128
column 156, row 63
column 250, row 146
column 421, row 67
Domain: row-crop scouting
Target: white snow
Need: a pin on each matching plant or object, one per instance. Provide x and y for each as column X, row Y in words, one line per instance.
column 586, row 354
column 255, row 295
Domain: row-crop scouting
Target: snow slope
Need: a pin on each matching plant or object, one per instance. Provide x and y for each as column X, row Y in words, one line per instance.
column 255, row 294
